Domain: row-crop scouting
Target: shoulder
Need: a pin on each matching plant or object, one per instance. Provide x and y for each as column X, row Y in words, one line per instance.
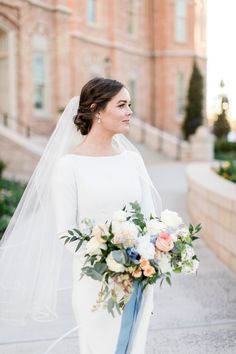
column 64, row 167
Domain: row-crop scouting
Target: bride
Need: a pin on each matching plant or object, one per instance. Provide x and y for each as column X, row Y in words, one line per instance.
column 88, row 169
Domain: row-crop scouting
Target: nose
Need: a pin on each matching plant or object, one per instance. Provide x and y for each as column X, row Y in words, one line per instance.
column 130, row 112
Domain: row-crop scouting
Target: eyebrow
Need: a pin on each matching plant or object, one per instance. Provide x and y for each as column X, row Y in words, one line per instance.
column 122, row 101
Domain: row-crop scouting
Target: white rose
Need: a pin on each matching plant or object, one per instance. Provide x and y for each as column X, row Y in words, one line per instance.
column 190, row 267
column 183, row 231
column 113, row 265
column 164, row 263
column 119, row 215
column 174, row 236
column 145, row 247
column 187, row 253
column 171, row 218
column 125, row 232
column 98, row 231
column 93, row 247
column 154, row 226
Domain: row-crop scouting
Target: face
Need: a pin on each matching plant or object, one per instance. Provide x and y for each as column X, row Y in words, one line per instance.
column 117, row 114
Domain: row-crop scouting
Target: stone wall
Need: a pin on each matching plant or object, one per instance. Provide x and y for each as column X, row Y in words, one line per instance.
column 199, row 148
column 19, row 155
column 212, row 202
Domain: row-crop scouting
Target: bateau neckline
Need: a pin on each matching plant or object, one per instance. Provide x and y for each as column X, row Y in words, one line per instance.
column 102, row 156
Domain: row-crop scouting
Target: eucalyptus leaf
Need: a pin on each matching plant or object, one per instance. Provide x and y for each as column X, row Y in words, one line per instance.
column 79, row 245
column 119, row 256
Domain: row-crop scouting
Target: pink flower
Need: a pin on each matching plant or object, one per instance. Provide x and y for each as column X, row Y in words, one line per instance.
column 164, row 242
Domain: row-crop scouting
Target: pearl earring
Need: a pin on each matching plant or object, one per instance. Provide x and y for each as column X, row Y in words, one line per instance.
column 99, row 120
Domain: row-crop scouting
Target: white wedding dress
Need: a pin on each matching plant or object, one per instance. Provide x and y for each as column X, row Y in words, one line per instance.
column 95, row 187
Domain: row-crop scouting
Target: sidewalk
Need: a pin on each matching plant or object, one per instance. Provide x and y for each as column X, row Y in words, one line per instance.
column 196, row 315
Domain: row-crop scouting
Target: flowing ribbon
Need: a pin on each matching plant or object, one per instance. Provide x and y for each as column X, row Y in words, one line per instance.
column 128, row 321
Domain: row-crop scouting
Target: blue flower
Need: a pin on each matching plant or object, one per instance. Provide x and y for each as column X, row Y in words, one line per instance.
column 153, row 239
column 133, row 254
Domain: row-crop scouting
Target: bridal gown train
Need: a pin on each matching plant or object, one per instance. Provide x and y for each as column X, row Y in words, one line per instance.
column 95, row 187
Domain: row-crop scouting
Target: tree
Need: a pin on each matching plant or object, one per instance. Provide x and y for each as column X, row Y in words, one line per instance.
column 193, row 111
column 221, row 126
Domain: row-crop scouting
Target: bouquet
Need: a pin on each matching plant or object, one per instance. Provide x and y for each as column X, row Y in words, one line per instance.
column 131, row 248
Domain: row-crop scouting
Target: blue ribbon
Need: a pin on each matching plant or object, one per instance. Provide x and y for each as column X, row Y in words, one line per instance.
column 128, row 321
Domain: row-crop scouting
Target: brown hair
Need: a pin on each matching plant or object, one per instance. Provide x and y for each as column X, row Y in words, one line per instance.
column 94, row 97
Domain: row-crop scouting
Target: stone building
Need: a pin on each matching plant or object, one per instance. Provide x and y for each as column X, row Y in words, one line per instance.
column 50, row 48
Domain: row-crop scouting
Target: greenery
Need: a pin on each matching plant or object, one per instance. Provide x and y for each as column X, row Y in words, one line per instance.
column 225, row 150
column 227, row 170
column 221, row 126
column 193, row 111
column 2, row 167
column 10, row 194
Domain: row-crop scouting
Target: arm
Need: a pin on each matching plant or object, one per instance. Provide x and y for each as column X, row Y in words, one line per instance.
column 151, row 201
column 64, row 199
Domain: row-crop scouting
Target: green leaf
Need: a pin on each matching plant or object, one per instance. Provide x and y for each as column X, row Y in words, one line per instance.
column 168, row 280
column 79, row 245
column 67, row 240
column 63, row 237
column 78, row 232
column 119, row 256
column 100, row 267
column 177, row 269
column 110, row 305
column 91, row 272
column 190, row 228
column 74, row 238
column 71, row 232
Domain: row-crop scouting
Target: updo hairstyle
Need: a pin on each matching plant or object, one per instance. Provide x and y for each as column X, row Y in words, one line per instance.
column 94, row 97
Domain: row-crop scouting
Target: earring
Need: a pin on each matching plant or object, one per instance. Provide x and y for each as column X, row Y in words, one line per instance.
column 99, row 120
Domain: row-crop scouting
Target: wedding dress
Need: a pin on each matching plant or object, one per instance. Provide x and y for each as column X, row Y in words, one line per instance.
column 95, row 187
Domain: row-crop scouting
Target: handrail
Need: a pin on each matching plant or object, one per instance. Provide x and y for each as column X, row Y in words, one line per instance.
column 29, row 130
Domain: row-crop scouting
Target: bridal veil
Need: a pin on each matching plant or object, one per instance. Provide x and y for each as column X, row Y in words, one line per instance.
column 31, row 255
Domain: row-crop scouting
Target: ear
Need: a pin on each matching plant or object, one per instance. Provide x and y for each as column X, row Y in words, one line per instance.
column 93, row 106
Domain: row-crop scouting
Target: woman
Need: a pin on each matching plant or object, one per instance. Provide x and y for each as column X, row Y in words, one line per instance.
column 77, row 178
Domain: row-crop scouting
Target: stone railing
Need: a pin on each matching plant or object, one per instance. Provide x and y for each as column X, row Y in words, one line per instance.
column 212, row 201
column 200, row 147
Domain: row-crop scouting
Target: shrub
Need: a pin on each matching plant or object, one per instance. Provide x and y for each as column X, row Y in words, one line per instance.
column 10, row 194
column 227, row 170
column 193, row 111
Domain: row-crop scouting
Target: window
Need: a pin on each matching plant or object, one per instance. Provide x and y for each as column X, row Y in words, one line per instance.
column 180, row 95
column 130, row 16
column 39, row 81
column 41, row 77
column 180, row 20
column 91, row 11
column 133, row 94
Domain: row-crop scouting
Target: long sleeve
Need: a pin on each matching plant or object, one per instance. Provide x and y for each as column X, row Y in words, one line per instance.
column 64, row 199
column 151, row 201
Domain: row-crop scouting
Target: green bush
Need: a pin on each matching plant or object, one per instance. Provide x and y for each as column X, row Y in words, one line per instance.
column 193, row 110
column 227, row 170
column 2, row 167
column 10, row 194
column 225, row 150
column 224, row 145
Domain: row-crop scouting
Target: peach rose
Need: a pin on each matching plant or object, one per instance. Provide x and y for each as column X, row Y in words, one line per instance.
column 149, row 271
column 164, row 242
column 144, row 263
column 98, row 231
column 137, row 273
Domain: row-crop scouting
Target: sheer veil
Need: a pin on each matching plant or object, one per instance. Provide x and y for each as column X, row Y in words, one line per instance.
column 31, row 256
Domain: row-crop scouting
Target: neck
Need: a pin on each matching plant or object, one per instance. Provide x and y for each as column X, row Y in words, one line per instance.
column 98, row 139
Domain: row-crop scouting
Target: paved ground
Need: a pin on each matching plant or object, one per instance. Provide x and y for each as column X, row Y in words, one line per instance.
column 196, row 315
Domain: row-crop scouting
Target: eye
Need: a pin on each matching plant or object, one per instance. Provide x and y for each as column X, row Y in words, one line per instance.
column 122, row 105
